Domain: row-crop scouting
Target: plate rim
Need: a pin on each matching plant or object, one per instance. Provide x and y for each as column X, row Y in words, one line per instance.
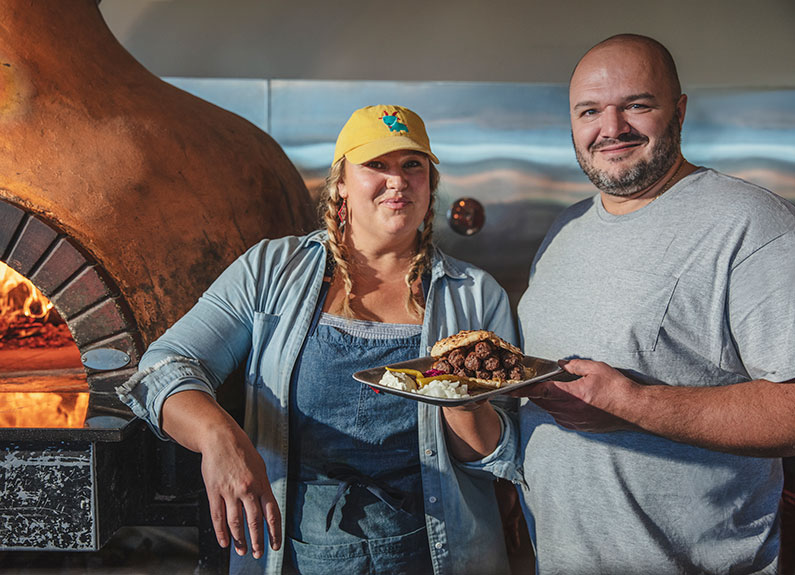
column 451, row 401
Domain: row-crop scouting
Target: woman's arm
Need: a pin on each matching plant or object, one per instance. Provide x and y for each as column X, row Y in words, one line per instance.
column 234, row 473
column 473, row 431
column 174, row 388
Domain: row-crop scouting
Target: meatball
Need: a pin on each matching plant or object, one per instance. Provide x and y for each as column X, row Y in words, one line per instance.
column 516, row 373
column 483, row 349
column 442, row 365
column 456, row 358
column 499, row 375
column 509, row 359
column 472, row 362
column 491, row 363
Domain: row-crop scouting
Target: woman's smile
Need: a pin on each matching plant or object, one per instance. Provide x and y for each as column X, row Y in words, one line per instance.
column 396, row 203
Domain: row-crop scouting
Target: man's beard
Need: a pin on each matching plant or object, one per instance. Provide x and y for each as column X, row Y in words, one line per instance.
column 644, row 173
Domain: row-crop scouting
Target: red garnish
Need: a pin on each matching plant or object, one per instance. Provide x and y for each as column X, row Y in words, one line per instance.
column 433, row 373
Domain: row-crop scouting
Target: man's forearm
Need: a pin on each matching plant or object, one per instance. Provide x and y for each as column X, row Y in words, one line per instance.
column 755, row 418
column 751, row 418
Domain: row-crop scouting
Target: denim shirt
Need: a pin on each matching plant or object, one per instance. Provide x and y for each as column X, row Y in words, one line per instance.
column 259, row 311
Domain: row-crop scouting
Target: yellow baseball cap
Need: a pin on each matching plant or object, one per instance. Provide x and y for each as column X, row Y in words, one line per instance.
column 377, row 130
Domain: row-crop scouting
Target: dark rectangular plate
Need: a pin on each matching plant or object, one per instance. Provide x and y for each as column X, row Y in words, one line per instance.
column 543, row 369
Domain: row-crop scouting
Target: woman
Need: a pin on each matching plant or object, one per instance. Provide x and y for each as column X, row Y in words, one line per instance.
column 363, row 481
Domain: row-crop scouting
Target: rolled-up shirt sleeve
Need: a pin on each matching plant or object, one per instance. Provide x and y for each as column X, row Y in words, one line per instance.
column 503, row 462
column 147, row 390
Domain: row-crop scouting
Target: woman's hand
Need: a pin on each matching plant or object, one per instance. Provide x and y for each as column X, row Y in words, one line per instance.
column 234, row 474
column 239, row 493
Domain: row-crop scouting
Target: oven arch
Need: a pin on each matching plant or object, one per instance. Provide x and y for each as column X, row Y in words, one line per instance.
column 85, row 296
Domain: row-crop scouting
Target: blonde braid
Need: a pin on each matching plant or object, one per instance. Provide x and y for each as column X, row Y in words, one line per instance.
column 330, row 205
column 415, row 303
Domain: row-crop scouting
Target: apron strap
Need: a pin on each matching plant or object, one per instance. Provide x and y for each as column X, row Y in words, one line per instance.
column 426, row 285
column 321, row 298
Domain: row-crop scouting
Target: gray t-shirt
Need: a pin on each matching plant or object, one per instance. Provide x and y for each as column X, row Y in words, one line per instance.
column 695, row 289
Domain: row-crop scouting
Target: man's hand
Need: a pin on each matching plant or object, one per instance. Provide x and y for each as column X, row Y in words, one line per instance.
column 751, row 418
column 590, row 403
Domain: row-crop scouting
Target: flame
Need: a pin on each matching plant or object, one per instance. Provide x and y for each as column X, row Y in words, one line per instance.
column 20, row 298
column 51, row 399
column 27, row 318
column 43, row 409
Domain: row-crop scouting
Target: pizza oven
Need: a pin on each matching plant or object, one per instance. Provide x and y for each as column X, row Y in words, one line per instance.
column 121, row 199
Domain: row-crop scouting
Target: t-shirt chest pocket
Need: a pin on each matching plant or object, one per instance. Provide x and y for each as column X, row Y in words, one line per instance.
column 628, row 313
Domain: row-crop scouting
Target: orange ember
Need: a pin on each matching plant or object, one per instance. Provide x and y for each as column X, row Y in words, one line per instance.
column 18, row 296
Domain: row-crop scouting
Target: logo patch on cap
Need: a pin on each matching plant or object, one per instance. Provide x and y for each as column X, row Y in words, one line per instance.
column 393, row 121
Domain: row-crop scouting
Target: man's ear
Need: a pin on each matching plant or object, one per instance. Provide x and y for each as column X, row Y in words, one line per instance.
column 681, row 108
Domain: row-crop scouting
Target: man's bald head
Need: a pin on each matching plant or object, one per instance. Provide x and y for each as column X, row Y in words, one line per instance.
column 648, row 48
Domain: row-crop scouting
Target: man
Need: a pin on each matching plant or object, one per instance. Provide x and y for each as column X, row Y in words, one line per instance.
column 664, row 458
column 671, row 291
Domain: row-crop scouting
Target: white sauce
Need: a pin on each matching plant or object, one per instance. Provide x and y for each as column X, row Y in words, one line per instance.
column 442, row 388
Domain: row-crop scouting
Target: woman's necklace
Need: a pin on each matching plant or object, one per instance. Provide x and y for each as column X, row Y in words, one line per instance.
column 669, row 184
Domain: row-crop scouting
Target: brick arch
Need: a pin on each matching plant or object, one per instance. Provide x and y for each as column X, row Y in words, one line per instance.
column 84, row 295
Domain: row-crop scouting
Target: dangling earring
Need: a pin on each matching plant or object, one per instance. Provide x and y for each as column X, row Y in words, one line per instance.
column 343, row 212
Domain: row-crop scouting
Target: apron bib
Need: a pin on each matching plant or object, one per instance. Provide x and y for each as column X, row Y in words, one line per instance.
column 354, row 494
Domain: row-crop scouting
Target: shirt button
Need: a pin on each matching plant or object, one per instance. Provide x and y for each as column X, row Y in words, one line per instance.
column 429, row 452
column 438, row 545
column 432, row 499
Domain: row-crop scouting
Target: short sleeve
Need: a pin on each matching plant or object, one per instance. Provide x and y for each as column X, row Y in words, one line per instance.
column 761, row 309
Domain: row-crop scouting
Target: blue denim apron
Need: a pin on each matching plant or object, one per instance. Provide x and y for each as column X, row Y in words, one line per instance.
column 354, row 497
